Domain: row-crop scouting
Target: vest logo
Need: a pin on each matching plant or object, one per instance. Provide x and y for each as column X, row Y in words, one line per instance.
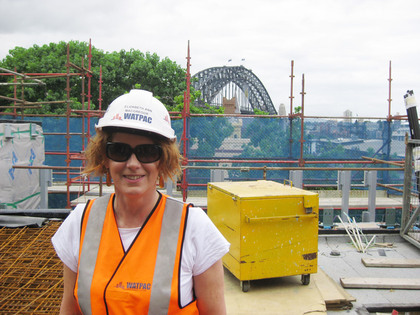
column 120, row 286
column 139, row 117
column 134, row 286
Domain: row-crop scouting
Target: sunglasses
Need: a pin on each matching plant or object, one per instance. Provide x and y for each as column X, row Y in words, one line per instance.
column 145, row 153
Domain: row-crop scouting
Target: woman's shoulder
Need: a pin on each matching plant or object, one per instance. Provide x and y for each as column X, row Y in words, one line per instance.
column 200, row 225
column 196, row 215
column 77, row 213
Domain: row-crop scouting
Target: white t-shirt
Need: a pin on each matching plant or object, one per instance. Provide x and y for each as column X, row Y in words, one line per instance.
column 203, row 245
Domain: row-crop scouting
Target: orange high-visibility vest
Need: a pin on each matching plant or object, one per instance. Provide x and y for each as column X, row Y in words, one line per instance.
column 143, row 280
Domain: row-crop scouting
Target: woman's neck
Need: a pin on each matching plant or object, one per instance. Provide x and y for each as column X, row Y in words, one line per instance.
column 132, row 211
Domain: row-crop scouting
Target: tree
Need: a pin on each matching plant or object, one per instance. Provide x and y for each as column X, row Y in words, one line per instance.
column 208, row 134
column 46, row 59
column 120, row 72
column 270, row 138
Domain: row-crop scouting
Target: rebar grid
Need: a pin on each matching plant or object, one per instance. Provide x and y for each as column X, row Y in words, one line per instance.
column 30, row 272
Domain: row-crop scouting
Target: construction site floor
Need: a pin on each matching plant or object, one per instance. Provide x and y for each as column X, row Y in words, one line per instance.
column 31, row 278
column 31, row 283
column 338, row 257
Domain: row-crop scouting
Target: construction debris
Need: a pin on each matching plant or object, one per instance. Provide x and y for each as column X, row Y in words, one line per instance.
column 356, row 235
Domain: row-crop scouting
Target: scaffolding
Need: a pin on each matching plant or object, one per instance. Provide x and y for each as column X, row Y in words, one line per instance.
column 30, row 271
column 410, row 219
column 20, row 104
column 73, row 175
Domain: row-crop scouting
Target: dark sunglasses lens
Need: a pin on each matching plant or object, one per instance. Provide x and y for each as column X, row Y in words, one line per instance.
column 148, row 153
column 145, row 153
column 118, row 152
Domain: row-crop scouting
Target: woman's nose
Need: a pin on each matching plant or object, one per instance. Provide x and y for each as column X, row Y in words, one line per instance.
column 133, row 161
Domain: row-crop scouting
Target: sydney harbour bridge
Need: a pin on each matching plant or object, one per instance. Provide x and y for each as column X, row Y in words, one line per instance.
column 229, row 82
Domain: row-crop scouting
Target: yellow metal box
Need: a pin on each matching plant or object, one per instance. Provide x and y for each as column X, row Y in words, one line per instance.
column 272, row 228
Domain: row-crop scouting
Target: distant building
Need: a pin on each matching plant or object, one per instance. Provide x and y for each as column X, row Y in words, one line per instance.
column 282, row 110
column 230, row 106
column 348, row 114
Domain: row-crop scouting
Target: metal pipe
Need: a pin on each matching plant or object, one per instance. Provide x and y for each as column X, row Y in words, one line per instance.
column 295, row 168
column 46, row 167
column 81, row 69
column 61, row 133
column 21, row 107
column 185, row 116
column 291, row 111
column 100, row 88
column 19, row 83
column 383, row 161
column 278, row 161
column 302, row 137
column 44, row 75
column 14, row 94
column 92, row 112
column 22, row 75
column 89, row 96
column 40, row 115
column 389, row 92
column 31, row 103
column 401, row 117
column 14, row 99
column 68, row 112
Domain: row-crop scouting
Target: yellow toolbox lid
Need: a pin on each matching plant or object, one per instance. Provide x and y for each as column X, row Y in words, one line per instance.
column 258, row 189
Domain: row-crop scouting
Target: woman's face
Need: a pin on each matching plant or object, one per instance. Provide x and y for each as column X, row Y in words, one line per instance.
column 133, row 177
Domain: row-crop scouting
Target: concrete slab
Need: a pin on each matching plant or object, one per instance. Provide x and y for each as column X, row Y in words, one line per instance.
column 284, row 295
column 349, row 264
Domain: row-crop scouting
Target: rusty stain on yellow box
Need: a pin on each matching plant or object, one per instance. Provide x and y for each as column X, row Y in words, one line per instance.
column 272, row 228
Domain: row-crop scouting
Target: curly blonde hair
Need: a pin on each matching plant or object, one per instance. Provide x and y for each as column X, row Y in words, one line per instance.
column 169, row 163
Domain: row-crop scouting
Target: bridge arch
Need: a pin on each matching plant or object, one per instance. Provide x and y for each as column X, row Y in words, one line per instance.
column 212, row 81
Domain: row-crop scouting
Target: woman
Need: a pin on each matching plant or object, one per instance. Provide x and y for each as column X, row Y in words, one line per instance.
column 139, row 251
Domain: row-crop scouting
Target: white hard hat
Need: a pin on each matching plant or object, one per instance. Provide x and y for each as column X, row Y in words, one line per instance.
column 138, row 110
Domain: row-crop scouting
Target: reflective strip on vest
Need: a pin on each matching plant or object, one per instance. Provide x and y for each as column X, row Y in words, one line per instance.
column 165, row 259
column 90, row 251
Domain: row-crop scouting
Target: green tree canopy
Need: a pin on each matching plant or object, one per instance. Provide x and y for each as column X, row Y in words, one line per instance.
column 268, row 138
column 121, row 71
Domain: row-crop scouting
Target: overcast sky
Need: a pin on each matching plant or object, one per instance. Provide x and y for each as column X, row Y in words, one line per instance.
column 343, row 47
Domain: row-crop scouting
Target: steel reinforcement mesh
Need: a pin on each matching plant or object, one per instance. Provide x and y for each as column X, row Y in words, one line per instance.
column 31, row 274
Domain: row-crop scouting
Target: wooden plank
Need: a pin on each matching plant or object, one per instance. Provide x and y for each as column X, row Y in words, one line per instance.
column 387, row 245
column 380, row 283
column 335, row 297
column 391, row 262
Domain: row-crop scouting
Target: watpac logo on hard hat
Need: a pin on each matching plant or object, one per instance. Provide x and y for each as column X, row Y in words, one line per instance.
column 138, row 110
column 137, row 113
